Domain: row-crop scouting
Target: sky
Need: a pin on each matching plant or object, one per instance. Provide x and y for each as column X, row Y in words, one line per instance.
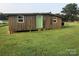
column 31, row 7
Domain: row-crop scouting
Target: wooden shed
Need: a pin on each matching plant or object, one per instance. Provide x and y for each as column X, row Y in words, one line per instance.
column 33, row 21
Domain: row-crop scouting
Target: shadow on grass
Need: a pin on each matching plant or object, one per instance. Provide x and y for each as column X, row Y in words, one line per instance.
column 67, row 27
column 24, row 31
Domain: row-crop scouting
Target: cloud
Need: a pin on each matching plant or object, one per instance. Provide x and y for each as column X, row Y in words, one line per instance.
column 31, row 7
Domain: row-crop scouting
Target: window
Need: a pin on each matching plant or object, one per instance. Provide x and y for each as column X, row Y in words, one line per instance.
column 20, row 19
column 54, row 19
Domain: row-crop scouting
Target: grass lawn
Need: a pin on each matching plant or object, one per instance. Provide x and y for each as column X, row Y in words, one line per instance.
column 64, row 41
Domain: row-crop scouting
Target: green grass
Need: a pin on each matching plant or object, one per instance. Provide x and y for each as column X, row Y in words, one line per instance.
column 5, row 23
column 64, row 41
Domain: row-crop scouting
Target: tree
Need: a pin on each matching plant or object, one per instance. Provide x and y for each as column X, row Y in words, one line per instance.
column 3, row 16
column 70, row 11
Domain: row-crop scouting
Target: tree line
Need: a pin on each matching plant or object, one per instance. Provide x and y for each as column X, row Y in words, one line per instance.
column 3, row 16
column 70, row 12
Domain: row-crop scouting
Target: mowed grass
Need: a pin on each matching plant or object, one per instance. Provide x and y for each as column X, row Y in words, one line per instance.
column 64, row 41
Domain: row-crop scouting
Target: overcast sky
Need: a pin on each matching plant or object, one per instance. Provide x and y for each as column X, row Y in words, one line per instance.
column 31, row 7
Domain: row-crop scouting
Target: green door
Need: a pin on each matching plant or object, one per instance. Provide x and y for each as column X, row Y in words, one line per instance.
column 39, row 21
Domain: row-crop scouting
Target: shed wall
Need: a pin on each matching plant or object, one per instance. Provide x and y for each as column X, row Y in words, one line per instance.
column 58, row 23
column 29, row 23
column 33, row 22
column 47, row 22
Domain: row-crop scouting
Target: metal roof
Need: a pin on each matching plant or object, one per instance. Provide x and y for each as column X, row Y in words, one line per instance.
column 14, row 14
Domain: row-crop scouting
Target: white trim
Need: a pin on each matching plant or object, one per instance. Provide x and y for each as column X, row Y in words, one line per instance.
column 54, row 19
column 19, row 19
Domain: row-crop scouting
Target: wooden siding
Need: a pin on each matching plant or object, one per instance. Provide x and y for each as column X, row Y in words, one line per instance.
column 29, row 23
column 57, row 24
column 47, row 22
column 11, row 25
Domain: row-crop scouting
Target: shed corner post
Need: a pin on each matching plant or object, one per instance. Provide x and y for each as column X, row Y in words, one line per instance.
column 11, row 32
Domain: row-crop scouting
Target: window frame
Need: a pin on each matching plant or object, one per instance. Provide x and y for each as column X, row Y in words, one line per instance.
column 20, row 18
